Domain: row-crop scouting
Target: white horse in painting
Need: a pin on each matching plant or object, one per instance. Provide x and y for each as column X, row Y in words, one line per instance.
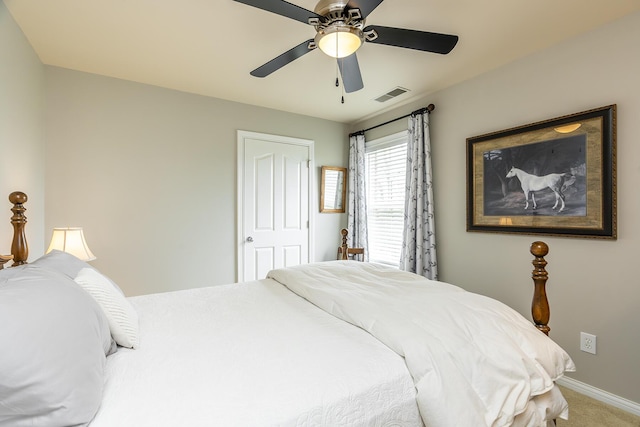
column 532, row 183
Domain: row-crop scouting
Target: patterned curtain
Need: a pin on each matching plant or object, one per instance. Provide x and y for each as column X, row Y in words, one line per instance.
column 357, row 222
column 418, row 239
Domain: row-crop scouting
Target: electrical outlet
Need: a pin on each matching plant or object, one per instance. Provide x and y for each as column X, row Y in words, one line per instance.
column 588, row 342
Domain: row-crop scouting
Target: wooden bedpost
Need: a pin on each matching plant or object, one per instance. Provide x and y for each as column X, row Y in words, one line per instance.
column 344, row 252
column 540, row 304
column 19, row 248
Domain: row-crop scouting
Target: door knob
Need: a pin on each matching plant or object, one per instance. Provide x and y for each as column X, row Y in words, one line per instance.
column 249, row 239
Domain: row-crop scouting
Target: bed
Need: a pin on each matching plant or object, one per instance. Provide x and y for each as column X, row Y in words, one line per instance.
column 338, row 343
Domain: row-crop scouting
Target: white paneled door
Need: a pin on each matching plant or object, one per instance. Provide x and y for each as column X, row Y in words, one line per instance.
column 274, row 182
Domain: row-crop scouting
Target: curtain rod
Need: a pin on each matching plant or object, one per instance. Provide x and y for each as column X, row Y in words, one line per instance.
column 428, row 109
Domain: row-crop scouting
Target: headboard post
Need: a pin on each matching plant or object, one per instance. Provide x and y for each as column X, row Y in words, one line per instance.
column 19, row 247
column 344, row 253
column 540, row 304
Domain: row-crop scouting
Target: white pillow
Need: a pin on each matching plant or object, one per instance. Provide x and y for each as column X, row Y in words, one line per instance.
column 122, row 317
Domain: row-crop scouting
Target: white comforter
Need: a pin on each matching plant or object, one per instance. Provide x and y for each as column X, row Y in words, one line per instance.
column 474, row 361
column 252, row 355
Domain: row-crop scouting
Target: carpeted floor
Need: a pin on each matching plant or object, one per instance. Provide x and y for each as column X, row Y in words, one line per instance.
column 587, row 412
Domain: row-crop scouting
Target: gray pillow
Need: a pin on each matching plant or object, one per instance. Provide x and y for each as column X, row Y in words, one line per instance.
column 54, row 339
column 63, row 262
column 66, row 264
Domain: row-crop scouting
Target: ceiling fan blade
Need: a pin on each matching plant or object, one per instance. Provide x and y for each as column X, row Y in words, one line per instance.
column 282, row 60
column 413, row 39
column 350, row 72
column 365, row 6
column 283, row 8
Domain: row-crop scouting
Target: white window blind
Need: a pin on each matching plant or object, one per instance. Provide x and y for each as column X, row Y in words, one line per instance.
column 386, row 175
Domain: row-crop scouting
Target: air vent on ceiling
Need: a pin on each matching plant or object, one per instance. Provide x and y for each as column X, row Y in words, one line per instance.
column 392, row 94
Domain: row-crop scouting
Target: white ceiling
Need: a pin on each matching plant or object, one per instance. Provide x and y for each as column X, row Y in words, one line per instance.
column 209, row 47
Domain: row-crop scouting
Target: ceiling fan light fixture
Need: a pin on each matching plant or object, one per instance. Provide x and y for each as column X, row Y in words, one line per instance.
column 339, row 41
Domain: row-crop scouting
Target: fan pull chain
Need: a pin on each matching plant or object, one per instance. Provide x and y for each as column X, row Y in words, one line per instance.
column 337, row 72
column 342, row 87
column 337, row 66
column 337, row 77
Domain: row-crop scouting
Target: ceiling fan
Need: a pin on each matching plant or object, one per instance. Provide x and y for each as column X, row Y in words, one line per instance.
column 340, row 31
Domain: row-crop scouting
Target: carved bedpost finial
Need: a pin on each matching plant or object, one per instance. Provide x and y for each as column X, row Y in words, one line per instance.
column 344, row 252
column 540, row 304
column 19, row 248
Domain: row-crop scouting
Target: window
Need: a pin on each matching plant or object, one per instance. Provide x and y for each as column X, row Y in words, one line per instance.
column 386, row 162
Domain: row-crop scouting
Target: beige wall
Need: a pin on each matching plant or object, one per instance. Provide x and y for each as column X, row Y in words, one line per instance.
column 150, row 174
column 593, row 284
column 21, row 136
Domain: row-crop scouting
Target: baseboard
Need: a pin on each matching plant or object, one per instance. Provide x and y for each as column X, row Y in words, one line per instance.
column 601, row 395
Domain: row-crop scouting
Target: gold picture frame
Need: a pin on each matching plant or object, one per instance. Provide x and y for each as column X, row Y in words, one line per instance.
column 333, row 189
column 554, row 177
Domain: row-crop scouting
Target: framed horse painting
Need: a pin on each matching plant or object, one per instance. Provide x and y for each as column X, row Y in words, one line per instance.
column 555, row 177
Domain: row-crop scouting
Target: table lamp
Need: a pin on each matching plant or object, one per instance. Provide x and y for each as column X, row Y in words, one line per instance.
column 71, row 240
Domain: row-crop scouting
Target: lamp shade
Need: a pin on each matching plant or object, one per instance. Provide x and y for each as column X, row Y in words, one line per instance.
column 71, row 240
column 339, row 41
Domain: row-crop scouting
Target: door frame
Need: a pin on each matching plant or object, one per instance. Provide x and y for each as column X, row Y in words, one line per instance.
column 241, row 137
